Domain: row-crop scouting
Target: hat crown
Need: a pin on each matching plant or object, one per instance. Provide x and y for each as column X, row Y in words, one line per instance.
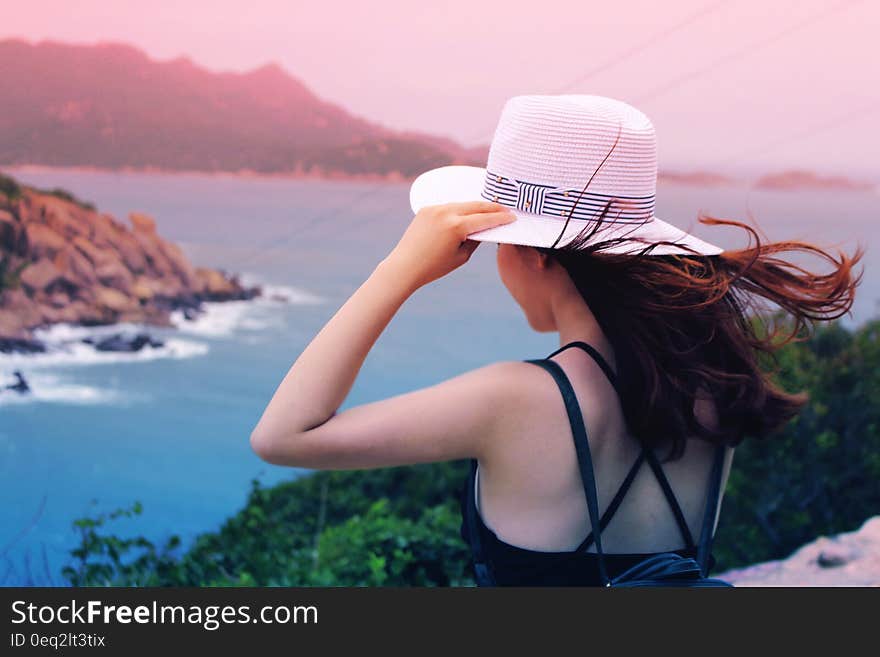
column 561, row 141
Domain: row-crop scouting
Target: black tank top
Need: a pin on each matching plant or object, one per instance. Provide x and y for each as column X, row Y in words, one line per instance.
column 517, row 566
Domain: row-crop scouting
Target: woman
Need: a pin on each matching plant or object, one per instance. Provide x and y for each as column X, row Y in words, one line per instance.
column 655, row 343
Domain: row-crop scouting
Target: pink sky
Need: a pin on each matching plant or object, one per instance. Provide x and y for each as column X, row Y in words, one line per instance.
column 748, row 85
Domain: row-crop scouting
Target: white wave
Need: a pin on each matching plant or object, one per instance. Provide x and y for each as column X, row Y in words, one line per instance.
column 217, row 320
column 276, row 293
column 64, row 348
column 220, row 319
column 50, row 388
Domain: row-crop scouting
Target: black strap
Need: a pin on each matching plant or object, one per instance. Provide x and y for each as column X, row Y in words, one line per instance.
column 652, row 458
column 600, row 360
column 670, row 497
column 618, row 498
column 482, row 574
column 707, row 533
column 585, row 463
column 582, row 447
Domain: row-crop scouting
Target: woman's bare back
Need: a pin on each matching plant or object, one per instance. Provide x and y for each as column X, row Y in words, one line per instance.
column 530, row 491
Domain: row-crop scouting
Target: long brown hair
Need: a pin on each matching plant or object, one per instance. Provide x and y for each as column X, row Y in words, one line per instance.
column 680, row 326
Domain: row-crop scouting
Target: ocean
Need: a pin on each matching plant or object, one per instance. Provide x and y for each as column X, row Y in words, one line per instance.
column 169, row 427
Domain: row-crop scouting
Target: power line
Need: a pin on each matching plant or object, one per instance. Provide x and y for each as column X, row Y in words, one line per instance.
column 635, row 50
column 626, row 54
column 805, row 132
column 746, row 50
column 281, row 240
column 630, row 52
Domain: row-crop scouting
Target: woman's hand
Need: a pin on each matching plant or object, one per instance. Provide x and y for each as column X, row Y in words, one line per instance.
column 299, row 425
column 435, row 243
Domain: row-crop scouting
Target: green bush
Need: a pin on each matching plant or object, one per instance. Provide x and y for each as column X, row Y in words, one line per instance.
column 9, row 187
column 10, row 277
column 12, row 189
column 58, row 192
column 400, row 526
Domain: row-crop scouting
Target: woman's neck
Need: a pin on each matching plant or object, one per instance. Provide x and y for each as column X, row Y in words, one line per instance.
column 575, row 321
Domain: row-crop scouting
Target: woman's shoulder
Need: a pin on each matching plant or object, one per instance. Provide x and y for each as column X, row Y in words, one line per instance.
column 516, row 381
column 510, row 388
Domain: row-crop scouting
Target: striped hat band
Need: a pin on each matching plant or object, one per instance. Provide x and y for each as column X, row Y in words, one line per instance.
column 563, row 202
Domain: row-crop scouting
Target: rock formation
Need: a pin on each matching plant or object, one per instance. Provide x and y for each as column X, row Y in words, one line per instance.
column 62, row 261
column 847, row 559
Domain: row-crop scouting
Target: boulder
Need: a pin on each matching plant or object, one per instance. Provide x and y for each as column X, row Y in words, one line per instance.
column 21, row 385
column 142, row 223
column 95, row 255
column 18, row 313
column 116, row 275
column 76, row 266
column 122, row 342
column 142, row 288
column 179, row 264
column 107, row 297
column 42, row 241
column 40, row 275
column 846, row 559
column 21, row 346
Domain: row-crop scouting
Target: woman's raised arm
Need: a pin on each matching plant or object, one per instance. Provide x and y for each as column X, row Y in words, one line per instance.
column 301, row 427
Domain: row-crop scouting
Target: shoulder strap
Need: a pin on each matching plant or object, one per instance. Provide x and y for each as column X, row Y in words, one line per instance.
column 482, row 575
column 652, row 458
column 585, row 463
column 707, row 531
column 618, row 498
column 670, row 497
column 582, row 447
column 600, row 360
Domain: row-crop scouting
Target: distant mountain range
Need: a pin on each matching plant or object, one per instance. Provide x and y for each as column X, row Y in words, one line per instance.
column 111, row 106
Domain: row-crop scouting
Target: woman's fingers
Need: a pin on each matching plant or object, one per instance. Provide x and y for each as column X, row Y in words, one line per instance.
column 473, row 207
column 468, row 247
column 473, row 223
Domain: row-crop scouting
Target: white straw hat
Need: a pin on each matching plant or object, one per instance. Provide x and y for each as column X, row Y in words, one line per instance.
column 558, row 158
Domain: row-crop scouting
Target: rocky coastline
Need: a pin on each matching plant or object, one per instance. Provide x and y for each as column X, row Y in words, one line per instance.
column 63, row 261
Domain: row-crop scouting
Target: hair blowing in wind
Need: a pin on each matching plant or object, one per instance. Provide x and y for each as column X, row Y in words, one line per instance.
column 689, row 325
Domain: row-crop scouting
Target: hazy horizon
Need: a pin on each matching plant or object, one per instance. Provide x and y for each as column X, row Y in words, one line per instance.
column 737, row 89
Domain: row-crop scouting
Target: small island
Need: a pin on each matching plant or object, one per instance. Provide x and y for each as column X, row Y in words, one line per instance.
column 800, row 179
column 63, row 261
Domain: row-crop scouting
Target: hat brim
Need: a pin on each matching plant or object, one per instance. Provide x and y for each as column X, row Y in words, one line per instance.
column 460, row 183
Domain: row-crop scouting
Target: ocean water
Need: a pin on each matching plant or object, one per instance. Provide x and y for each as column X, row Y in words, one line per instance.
column 169, row 427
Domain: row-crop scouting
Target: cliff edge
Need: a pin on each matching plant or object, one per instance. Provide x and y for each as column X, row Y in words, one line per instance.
column 63, row 261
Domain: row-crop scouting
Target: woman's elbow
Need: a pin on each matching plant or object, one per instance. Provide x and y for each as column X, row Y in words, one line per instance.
column 271, row 448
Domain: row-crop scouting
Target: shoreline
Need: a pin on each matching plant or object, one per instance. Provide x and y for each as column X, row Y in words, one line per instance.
column 772, row 182
column 391, row 178
column 53, row 375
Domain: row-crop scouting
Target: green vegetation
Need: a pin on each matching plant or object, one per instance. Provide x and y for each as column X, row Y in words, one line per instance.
column 394, row 526
column 13, row 189
column 9, row 187
column 9, row 275
column 67, row 196
column 400, row 526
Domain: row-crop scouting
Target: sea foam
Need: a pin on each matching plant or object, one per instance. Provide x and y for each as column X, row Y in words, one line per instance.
column 52, row 388
column 227, row 318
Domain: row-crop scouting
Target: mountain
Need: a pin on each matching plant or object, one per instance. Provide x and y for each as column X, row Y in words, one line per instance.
column 111, row 106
